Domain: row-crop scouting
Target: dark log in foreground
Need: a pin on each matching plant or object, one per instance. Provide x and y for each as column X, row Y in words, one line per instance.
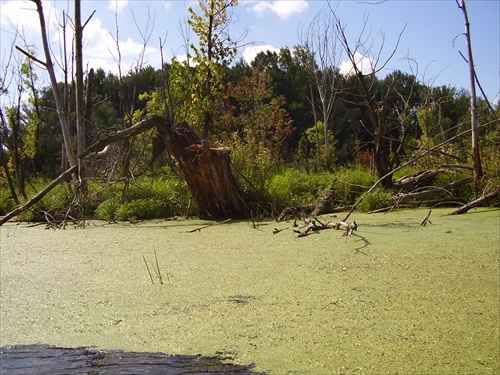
column 478, row 202
column 51, row 360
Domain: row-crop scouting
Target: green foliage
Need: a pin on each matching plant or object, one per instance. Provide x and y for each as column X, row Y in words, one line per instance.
column 58, row 200
column 6, row 202
column 145, row 199
column 350, row 183
column 147, row 208
column 214, row 52
column 379, row 198
column 290, row 187
column 312, row 148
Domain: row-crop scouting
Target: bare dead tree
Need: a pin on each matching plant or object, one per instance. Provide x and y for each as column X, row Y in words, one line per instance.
column 319, row 39
column 377, row 109
column 49, row 65
column 476, row 159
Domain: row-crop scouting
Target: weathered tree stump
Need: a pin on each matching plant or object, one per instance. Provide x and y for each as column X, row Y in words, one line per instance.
column 207, row 171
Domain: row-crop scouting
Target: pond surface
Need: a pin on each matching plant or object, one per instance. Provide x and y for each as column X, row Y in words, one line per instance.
column 394, row 298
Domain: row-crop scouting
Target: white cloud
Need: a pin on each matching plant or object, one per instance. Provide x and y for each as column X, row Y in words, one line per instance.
column 23, row 17
column 251, row 52
column 117, row 5
column 282, row 8
column 363, row 63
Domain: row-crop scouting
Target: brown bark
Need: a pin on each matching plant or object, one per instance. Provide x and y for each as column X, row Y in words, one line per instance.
column 207, row 171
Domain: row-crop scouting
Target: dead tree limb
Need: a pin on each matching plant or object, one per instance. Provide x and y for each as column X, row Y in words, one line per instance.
column 478, row 202
column 412, row 160
column 208, row 226
column 38, row 196
column 349, row 228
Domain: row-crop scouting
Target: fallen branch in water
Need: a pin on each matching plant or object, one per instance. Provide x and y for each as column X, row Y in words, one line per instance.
column 478, row 202
column 209, row 225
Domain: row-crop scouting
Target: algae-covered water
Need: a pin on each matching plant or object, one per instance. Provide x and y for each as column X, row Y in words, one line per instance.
column 394, row 298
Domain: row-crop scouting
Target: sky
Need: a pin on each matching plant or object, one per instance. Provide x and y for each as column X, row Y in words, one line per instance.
column 429, row 48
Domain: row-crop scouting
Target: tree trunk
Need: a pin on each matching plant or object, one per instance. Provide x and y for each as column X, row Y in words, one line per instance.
column 478, row 171
column 61, row 111
column 79, row 98
column 207, row 172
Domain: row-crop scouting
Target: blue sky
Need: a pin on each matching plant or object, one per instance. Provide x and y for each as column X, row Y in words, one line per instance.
column 432, row 38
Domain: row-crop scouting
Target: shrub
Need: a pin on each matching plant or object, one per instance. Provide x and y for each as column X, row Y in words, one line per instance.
column 290, row 187
column 7, row 204
column 350, row 184
column 379, row 198
column 144, row 199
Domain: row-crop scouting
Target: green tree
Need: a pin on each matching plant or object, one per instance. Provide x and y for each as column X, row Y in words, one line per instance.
column 213, row 53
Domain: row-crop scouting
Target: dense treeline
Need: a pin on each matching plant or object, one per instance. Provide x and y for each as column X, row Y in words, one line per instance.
column 270, row 114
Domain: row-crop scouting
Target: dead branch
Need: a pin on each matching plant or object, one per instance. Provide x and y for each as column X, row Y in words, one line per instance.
column 38, row 196
column 207, row 226
column 349, row 228
column 478, row 202
column 426, row 219
column 420, row 154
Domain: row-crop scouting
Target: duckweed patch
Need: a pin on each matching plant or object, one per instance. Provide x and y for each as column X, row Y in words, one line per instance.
column 394, row 298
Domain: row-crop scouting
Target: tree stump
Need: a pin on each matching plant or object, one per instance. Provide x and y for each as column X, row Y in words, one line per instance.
column 207, row 171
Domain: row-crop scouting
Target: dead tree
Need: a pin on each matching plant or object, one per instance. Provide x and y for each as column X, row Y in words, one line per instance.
column 476, row 159
column 207, row 171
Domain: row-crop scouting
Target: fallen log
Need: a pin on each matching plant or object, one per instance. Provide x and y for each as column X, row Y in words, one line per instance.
column 421, row 178
column 478, row 202
column 45, row 359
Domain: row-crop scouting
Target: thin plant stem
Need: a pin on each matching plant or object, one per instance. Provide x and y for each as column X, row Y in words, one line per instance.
column 149, row 272
column 158, row 269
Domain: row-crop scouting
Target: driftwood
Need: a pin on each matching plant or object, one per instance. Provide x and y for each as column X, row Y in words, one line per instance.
column 478, row 202
column 313, row 225
column 349, row 228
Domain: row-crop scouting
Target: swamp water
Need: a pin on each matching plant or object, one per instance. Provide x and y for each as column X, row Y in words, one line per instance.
column 394, row 298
